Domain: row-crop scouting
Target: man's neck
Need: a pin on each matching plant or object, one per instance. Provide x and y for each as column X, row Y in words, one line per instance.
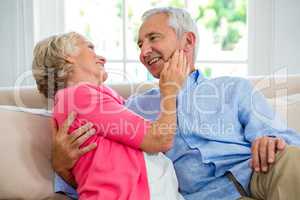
column 192, row 69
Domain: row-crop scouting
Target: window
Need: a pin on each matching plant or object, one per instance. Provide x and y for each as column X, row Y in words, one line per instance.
column 113, row 27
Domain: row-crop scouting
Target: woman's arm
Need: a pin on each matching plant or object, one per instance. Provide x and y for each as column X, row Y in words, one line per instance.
column 160, row 135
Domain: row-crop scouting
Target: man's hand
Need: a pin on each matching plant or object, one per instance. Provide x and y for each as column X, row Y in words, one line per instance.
column 263, row 152
column 65, row 147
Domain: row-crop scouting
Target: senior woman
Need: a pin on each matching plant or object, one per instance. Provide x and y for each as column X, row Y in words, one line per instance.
column 67, row 69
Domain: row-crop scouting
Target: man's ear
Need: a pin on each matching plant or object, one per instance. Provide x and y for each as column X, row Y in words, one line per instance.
column 190, row 41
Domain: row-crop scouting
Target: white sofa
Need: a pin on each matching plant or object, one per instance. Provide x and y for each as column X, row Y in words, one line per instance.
column 25, row 139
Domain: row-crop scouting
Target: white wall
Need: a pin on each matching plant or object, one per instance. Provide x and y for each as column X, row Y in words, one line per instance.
column 49, row 18
column 274, row 37
column 20, row 30
column 287, row 36
column 16, row 39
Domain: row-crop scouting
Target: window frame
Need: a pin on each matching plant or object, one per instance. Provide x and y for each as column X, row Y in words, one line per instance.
column 259, row 27
column 124, row 61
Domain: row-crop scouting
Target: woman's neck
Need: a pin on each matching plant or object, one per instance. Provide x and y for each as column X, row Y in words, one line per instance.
column 83, row 79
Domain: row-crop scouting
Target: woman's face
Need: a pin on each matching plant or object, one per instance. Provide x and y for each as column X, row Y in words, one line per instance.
column 87, row 65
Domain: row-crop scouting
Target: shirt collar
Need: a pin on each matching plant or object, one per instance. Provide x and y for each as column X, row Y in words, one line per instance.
column 196, row 76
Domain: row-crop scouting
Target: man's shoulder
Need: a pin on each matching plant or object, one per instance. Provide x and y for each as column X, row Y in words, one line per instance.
column 227, row 86
column 146, row 104
column 234, row 84
column 153, row 92
column 228, row 80
column 146, row 99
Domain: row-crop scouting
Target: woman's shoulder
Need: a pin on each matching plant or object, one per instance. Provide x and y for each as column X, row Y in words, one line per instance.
column 85, row 92
column 75, row 98
column 78, row 89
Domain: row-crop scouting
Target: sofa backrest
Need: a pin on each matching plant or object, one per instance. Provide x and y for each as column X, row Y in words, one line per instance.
column 30, row 97
column 25, row 152
column 270, row 86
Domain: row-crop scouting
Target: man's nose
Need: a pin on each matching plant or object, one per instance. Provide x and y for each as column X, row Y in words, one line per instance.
column 146, row 49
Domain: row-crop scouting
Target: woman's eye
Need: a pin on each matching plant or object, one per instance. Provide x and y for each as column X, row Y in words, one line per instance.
column 91, row 47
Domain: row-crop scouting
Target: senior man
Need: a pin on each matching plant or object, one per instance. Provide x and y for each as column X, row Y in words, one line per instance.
column 223, row 125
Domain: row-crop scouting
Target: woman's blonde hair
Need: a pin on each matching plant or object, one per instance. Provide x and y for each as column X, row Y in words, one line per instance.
column 50, row 67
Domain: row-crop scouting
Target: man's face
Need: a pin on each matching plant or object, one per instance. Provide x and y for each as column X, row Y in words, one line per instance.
column 157, row 42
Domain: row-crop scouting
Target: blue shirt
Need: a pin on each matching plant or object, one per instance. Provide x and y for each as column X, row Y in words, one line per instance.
column 217, row 121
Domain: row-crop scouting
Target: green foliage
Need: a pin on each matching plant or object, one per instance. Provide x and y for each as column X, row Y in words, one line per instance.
column 227, row 20
column 119, row 6
column 207, row 72
column 81, row 13
column 173, row 3
column 87, row 31
column 177, row 3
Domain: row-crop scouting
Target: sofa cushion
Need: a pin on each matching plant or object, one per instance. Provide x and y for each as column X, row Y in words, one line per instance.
column 25, row 148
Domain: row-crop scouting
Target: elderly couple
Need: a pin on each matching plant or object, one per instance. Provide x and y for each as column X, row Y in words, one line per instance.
column 219, row 137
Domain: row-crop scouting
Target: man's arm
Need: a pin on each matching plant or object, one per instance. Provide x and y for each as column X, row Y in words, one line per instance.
column 263, row 152
column 65, row 147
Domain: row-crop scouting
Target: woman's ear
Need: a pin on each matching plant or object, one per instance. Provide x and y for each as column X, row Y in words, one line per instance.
column 190, row 41
column 70, row 59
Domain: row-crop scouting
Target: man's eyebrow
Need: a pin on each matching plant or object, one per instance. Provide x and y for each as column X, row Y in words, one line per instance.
column 152, row 33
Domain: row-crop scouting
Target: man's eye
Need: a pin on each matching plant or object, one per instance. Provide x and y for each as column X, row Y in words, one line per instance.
column 153, row 38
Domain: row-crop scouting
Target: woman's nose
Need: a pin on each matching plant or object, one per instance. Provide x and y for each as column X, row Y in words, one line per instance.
column 102, row 59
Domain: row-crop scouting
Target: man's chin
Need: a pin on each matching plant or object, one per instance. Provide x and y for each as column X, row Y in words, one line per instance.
column 156, row 70
column 156, row 75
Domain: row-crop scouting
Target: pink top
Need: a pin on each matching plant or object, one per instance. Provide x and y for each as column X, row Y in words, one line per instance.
column 116, row 168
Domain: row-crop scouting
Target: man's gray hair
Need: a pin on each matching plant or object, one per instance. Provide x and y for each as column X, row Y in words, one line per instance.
column 180, row 20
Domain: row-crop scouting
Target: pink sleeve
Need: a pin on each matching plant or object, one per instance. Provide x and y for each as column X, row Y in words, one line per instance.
column 109, row 116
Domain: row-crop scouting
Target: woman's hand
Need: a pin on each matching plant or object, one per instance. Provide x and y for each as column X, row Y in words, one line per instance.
column 160, row 136
column 65, row 147
column 174, row 74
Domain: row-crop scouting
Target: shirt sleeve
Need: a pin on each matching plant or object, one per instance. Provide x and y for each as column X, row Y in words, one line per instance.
column 110, row 117
column 146, row 104
column 60, row 186
column 259, row 119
